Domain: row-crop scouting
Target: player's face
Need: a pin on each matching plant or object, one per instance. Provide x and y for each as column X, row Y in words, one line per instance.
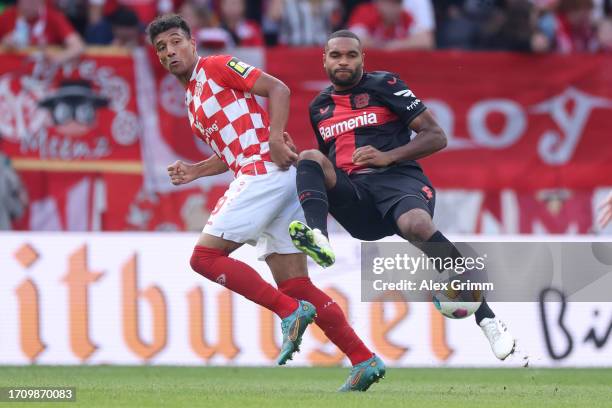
column 343, row 61
column 176, row 52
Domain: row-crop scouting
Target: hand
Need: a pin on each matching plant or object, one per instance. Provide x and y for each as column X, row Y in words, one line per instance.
column 369, row 156
column 181, row 172
column 606, row 211
column 289, row 142
column 282, row 151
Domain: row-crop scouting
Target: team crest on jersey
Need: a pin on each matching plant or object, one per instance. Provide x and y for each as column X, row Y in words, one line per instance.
column 361, row 100
column 239, row 67
column 198, row 89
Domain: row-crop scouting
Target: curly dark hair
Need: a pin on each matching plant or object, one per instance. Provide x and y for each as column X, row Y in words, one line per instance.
column 165, row 23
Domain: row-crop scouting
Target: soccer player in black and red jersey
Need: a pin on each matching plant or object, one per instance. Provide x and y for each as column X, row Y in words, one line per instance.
column 365, row 171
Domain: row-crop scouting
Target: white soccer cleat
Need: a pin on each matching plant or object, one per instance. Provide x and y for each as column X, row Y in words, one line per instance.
column 502, row 342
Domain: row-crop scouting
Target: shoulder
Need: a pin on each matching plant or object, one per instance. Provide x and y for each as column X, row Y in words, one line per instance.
column 322, row 97
column 380, row 78
column 214, row 61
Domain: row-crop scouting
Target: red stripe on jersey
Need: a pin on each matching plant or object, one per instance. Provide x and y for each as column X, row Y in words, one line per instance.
column 343, row 123
column 345, row 145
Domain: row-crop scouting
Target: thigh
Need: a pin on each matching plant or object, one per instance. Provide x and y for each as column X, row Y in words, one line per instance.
column 247, row 207
column 211, row 241
column 399, row 190
column 353, row 206
column 275, row 238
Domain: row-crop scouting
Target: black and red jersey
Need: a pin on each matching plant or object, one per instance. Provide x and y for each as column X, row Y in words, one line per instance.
column 375, row 112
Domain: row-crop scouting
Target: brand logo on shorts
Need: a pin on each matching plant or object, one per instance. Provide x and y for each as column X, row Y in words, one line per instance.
column 427, row 192
column 221, row 279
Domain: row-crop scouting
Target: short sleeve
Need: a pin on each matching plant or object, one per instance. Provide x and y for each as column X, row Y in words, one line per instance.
column 230, row 72
column 395, row 95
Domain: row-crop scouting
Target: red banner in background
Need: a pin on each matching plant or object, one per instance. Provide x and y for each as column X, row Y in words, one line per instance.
column 513, row 121
column 528, row 138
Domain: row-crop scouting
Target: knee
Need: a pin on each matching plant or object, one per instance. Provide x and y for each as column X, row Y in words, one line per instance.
column 313, row 155
column 417, row 226
column 203, row 259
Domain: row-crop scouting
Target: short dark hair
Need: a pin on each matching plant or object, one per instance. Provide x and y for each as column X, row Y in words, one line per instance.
column 343, row 34
column 166, row 22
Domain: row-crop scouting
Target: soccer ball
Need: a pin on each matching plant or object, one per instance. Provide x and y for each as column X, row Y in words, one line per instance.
column 457, row 304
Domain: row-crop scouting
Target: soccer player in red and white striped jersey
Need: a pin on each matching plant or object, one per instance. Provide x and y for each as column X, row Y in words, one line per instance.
column 262, row 200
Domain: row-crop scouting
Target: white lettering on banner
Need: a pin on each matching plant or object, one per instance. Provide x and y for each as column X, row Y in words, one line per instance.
column 132, row 299
column 446, row 119
column 339, row 128
column 515, row 119
column 552, row 147
column 64, row 148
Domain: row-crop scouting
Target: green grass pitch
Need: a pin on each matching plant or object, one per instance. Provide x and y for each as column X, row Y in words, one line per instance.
column 152, row 386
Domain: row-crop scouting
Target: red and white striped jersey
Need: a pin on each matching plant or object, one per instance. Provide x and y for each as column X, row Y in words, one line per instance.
column 225, row 115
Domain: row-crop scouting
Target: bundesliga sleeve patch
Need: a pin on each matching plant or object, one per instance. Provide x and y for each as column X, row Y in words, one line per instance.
column 239, row 67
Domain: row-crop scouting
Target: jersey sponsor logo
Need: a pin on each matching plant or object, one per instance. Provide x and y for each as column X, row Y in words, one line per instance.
column 239, row 67
column 206, row 132
column 406, row 93
column 361, row 100
column 364, row 119
column 324, row 110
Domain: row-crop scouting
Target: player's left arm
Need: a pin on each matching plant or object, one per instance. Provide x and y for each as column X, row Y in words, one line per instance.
column 399, row 99
column 235, row 74
column 429, row 139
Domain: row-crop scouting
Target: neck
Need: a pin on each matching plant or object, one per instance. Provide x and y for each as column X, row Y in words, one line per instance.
column 186, row 77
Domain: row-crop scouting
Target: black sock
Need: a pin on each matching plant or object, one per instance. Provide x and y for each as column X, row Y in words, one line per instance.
column 312, row 194
column 439, row 246
column 483, row 311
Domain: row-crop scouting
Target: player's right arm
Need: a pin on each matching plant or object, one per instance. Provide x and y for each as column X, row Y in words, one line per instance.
column 183, row 173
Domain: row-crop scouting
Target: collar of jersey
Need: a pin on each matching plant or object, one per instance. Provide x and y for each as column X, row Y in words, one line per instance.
column 194, row 74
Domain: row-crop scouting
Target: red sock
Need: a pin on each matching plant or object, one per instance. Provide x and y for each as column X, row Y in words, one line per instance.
column 330, row 318
column 214, row 264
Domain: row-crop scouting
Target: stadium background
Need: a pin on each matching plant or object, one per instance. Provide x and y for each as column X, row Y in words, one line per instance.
column 528, row 159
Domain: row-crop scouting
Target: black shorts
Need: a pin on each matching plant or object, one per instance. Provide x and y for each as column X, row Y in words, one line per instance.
column 368, row 205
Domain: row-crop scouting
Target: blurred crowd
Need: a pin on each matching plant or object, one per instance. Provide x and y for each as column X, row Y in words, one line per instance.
column 538, row 26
